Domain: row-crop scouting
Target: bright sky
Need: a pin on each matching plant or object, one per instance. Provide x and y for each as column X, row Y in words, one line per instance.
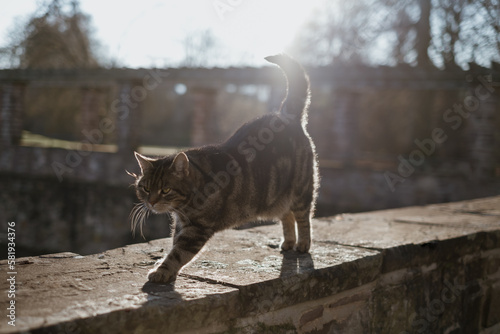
column 150, row 32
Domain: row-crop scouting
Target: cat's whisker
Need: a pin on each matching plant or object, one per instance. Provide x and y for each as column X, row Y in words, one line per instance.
column 138, row 216
column 133, row 217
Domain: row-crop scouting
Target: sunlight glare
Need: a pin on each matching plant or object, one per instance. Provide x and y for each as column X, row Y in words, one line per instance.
column 151, row 33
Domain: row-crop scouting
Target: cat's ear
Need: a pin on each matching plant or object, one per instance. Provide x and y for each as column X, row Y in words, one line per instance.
column 181, row 165
column 144, row 162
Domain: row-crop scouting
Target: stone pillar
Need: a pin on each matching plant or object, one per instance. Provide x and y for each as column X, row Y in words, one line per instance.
column 11, row 112
column 482, row 104
column 92, row 102
column 452, row 149
column 203, row 104
column 344, row 128
column 423, row 119
column 127, row 108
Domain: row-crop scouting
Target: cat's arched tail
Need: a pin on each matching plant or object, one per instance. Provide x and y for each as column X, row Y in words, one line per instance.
column 297, row 99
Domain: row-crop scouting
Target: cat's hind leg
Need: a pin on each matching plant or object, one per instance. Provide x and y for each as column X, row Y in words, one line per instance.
column 303, row 230
column 288, row 223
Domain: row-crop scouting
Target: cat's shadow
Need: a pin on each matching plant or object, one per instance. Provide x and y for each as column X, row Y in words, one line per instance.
column 293, row 263
column 296, row 263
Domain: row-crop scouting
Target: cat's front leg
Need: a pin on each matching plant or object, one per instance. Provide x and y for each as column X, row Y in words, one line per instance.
column 187, row 243
column 161, row 274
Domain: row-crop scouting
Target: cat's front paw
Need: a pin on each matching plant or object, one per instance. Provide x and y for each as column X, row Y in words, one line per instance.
column 161, row 275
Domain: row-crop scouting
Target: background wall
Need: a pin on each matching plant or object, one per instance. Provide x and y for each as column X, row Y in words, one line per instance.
column 386, row 137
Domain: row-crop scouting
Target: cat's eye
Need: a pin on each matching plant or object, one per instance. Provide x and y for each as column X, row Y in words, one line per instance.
column 165, row 191
column 146, row 189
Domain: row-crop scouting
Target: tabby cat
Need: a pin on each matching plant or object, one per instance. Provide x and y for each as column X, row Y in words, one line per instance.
column 266, row 170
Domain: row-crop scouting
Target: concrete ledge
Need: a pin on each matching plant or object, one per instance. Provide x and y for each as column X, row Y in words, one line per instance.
column 418, row 269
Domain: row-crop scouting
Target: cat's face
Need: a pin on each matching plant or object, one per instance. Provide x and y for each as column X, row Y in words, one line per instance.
column 162, row 185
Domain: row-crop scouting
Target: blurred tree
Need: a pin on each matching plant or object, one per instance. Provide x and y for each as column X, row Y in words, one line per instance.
column 60, row 37
column 442, row 33
column 57, row 36
column 465, row 31
column 423, row 30
column 201, row 48
column 339, row 31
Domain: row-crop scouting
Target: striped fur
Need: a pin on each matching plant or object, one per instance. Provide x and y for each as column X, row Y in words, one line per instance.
column 266, row 170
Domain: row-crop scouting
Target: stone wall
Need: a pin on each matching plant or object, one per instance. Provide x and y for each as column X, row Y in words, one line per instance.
column 79, row 204
column 71, row 216
column 84, row 207
column 433, row 269
column 346, row 189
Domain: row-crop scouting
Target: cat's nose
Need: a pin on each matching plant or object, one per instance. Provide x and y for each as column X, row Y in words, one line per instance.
column 153, row 201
